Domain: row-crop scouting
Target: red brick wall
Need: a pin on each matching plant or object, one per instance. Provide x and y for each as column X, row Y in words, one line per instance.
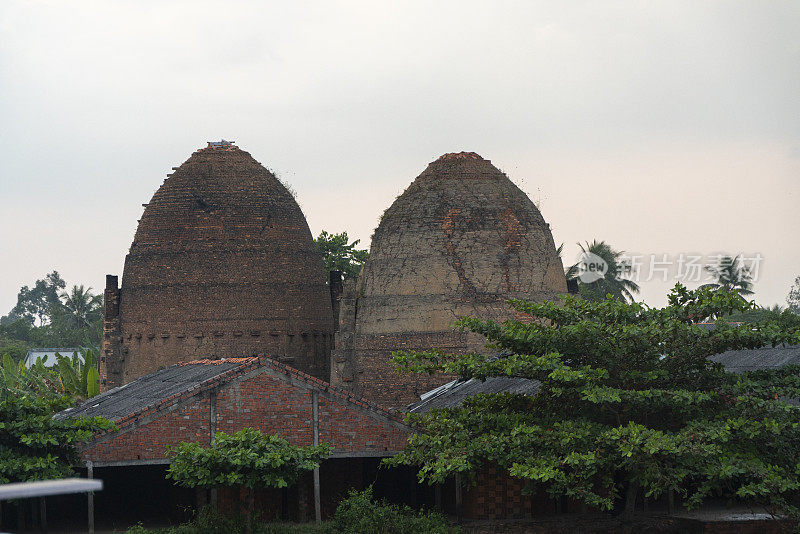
column 150, row 441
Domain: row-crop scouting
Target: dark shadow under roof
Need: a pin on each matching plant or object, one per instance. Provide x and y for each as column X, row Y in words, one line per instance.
column 151, row 389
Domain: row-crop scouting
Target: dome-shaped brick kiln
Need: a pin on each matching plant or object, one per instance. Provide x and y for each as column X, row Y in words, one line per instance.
column 460, row 241
column 222, row 265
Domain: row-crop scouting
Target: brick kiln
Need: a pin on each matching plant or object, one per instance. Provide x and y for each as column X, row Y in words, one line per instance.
column 461, row 240
column 222, row 264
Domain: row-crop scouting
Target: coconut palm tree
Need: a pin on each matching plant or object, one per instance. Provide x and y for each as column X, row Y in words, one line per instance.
column 731, row 275
column 611, row 282
column 81, row 305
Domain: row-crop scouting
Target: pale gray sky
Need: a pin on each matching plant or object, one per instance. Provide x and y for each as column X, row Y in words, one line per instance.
column 662, row 127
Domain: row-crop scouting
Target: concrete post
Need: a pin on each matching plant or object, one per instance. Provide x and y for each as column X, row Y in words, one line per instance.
column 90, row 510
column 315, row 418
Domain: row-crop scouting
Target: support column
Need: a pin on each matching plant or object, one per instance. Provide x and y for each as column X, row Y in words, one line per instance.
column 212, row 431
column 90, row 507
column 458, row 496
column 315, row 425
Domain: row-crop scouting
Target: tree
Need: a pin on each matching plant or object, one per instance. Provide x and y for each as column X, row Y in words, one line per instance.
column 628, row 404
column 731, row 275
column 36, row 303
column 793, row 299
column 81, row 306
column 36, row 446
column 609, row 282
column 338, row 255
column 247, row 458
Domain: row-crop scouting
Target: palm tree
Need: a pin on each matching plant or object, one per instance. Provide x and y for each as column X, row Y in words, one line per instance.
column 731, row 275
column 611, row 282
column 81, row 305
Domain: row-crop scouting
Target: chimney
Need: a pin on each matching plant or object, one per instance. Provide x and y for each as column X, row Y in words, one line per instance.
column 335, row 288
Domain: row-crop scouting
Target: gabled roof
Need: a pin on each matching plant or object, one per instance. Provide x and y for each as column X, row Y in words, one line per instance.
column 160, row 390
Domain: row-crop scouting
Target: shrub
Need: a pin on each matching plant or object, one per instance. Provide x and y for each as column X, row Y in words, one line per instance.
column 359, row 513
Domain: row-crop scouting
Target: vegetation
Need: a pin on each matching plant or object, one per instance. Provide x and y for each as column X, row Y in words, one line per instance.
column 34, row 445
column 47, row 316
column 76, row 376
column 359, row 513
column 247, row 458
column 629, row 405
column 731, row 275
column 612, row 282
column 793, row 299
column 341, row 255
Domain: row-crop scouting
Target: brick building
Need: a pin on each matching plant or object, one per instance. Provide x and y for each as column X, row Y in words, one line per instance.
column 192, row 401
column 460, row 241
column 222, row 264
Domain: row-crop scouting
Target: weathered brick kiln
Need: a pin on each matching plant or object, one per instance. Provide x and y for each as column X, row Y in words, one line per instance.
column 222, row 265
column 461, row 240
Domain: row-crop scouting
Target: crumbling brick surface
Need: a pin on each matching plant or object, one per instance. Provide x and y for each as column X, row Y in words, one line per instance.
column 223, row 264
column 460, row 241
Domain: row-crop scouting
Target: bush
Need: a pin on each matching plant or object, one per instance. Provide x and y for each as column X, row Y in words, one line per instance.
column 209, row 521
column 359, row 513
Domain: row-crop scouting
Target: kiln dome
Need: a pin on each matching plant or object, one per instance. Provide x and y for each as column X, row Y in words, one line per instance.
column 222, row 264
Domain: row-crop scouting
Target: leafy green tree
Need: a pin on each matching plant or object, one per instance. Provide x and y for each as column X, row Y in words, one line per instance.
column 247, row 458
column 793, row 299
column 37, row 302
column 81, row 306
column 36, row 446
column 731, row 275
column 628, row 404
column 341, row 255
column 612, row 282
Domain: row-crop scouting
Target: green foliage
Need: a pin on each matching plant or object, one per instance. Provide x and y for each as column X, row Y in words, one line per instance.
column 793, row 298
column 248, row 458
column 731, row 275
column 612, row 283
column 340, row 255
column 73, row 376
column 36, row 303
column 41, row 319
column 209, row 521
column 15, row 348
column 34, row 445
column 359, row 513
column 628, row 399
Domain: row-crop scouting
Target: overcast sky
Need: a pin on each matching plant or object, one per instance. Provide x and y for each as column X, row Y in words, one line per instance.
column 661, row 127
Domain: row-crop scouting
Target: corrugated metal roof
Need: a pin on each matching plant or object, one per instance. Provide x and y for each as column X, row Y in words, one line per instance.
column 454, row 394
column 150, row 389
column 739, row 361
column 735, row 361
